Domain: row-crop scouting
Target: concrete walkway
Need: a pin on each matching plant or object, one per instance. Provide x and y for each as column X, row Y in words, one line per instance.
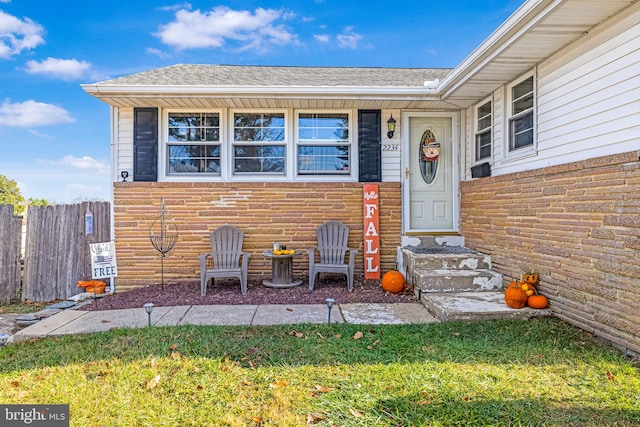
column 83, row 322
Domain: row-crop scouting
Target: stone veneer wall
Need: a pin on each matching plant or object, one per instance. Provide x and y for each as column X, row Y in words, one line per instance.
column 288, row 213
column 578, row 225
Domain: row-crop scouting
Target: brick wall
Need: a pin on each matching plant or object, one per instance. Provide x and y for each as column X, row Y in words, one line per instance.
column 578, row 225
column 288, row 213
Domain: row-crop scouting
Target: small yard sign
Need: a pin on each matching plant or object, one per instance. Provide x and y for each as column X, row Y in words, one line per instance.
column 371, row 234
column 103, row 260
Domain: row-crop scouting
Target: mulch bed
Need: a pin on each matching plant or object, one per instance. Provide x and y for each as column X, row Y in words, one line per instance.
column 227, row 291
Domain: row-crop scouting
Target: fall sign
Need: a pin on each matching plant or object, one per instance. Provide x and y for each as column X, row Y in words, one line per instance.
column 371, row 235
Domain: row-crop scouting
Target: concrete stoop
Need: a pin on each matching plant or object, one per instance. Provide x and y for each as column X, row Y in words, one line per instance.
column 427, row 281
column 450, row 306
column 457, row 283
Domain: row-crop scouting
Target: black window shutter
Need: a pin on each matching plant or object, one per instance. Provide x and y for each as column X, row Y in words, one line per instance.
column 369, row 150
column 145, row 144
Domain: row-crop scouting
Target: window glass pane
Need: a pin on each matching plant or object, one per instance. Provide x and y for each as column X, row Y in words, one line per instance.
column 323, row 127
column 521, row 131
column 484, row 116
column 193, row 127
column 258, row 127
column 259, row 158
column 323, row 159
column 483, row 145
column 194, row 158
column 522, row 95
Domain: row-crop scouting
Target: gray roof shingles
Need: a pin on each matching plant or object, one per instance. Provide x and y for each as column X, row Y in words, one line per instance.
column 269, row 76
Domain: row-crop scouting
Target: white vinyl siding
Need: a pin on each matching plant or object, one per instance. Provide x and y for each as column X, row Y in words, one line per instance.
column 587, row 100
column 391, row 148
column 124, row 142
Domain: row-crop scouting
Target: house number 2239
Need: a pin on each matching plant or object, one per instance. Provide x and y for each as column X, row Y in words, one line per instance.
column 390, row 147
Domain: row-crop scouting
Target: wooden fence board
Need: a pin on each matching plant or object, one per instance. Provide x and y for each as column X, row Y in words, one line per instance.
column 57, row 251
column 10, row 241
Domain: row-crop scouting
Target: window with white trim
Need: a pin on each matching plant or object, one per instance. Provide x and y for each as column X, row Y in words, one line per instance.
column 193, row 143
column 323, row 144
column 259, row 143
column 521, row 109
column 484, row 121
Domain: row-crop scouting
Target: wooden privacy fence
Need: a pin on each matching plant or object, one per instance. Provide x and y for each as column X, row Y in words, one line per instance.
column 57, row 248
column 10, row 241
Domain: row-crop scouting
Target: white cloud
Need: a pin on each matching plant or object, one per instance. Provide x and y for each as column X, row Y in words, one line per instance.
column 65, row 69
column 322, row 38
column 17, row 35
column 157, row 52
column 32, row 114
column 177, row 6
column 84, row 163
column 241, row 29
column 348, row 39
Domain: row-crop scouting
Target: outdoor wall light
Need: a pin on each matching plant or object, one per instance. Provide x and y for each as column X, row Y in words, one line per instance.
column 124, row 175
column 148, row 307
column 330, row 302
column 391, row 127
column 3, row 339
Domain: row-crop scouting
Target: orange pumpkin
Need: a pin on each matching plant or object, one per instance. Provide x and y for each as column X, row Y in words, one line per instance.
column 514, row 295
column 538, row 301
column 393, row 281
column 531, row 278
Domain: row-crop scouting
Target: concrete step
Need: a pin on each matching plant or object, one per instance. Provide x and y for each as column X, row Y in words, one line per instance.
column 475, row 306
column 443, row 257
column 429, row 281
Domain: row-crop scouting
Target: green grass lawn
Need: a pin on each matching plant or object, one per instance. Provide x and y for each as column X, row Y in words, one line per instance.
column 497, row 373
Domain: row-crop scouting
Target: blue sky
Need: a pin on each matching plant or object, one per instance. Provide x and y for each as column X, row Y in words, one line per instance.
column 54, row 138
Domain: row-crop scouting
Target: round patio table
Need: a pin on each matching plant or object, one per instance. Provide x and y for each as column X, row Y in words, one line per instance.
column 281, row 270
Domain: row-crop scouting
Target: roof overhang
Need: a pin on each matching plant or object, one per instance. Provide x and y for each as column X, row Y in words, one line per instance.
column 268, row 97
column 537, row 30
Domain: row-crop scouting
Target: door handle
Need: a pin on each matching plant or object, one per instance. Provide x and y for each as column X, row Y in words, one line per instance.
column 407, row 174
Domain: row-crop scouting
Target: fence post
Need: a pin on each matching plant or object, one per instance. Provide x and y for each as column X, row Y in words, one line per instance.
column 10, row 247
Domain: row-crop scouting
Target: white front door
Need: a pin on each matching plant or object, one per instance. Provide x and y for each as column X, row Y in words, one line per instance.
column 430, row 178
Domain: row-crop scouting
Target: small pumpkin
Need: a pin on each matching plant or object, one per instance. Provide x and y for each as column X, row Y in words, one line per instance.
column 514, row 295
column 538, row 302
column 393, row 281
column 531, row 278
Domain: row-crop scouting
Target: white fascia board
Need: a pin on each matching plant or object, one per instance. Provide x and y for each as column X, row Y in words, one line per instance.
column 132, row 90
column 527, row 16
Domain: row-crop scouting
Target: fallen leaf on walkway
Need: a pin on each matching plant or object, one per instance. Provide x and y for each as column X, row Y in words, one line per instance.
column 153, row 383
column 289, row 309
column 105, row 321
column 358, row 335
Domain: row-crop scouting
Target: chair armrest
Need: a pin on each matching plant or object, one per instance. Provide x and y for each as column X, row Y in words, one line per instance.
column 203, row 260
column 245, row 259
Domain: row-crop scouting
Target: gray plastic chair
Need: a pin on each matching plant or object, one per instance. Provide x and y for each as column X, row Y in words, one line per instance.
column 228, row 258
column 333, row 237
